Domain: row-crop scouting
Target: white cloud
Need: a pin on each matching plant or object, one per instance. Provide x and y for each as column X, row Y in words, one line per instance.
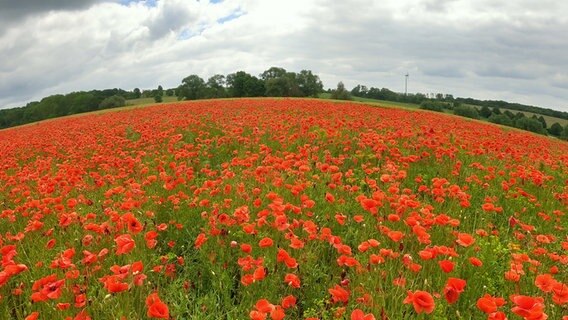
column 485, row 49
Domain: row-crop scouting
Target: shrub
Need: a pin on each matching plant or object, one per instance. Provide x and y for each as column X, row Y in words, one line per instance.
column 112, row 102
column 465, row 111
column 341, row 93
column 432, row 105
column 501, row 119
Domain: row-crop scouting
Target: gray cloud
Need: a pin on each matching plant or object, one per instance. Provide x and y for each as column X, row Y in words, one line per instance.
column 483, row 49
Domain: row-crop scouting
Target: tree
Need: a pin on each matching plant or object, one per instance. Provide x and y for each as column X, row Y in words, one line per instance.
column 158, row 98
column 496, row 110
column 501, row 119
column 555, row 129
column 564, row 134
column 242, row 84
column 216, row 87
column 309, row 84
column 340, row 93
column 192, row 87
column 432, row 105
column 112, row 102
column 273, row 73
column 485, row 112
column 137, row 93
column 541, row 119
column 529, row 124
column 160, row 91
column 466, row 111
column 509, row 114
column 169, row 92
column 359, row 91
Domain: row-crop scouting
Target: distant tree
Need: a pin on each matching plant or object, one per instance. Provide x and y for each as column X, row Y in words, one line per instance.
column 556, row 129
column 359, row 91
column 158, row 98
column 112, row 102
column 541, row 119
column 501, row 119
column 309, row 84
column 485, row 112
column 432, row 105
column 518, row 115
column 273, row 73
column 160, row 90
column 137, row 93
column 170, row 92
column 496, row 110
column 509, row 114
column 216, row 86
column 340, row 93
column 192, row 87
column 564, row 134
column 277, row 87
column 529, row 124
column 466, row 111
column 242, row 84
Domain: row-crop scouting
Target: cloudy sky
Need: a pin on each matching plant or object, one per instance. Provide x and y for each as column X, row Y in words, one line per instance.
column 512, row 50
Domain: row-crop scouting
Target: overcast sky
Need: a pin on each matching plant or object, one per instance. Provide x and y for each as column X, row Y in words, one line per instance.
column 512, row 50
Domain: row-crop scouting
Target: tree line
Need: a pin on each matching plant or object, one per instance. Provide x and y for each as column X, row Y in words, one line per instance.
column 274, row 82
column 417, row 98
column 534, row 123
column 489, row 110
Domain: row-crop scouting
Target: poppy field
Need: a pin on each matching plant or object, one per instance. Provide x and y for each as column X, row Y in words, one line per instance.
column 281, row 209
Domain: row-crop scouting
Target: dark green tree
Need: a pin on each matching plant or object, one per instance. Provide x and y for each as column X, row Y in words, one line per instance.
column 192, row 88
column 509, row 114
column 564, row 134
column 158, row 98
column 485, row 112
column 309, row 84
column 466, row 111
column 242, row 84
column 112, row 102
column 216, row 87
column 555, row 129
column 501, row 119
column 432, row 105
column 529, row 124
column 273, row 73
column 137, row 93
column 496, row 110
column 340, row 93
column 541, row 119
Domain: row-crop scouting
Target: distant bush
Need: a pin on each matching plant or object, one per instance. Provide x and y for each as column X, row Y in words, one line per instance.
column 158, row 98
column 112, row 102
column 530, row 124
column 465, row 111
column 501, row 119
column 432, row 105
column 341, row 93
column 485, row 112
column 555, row 129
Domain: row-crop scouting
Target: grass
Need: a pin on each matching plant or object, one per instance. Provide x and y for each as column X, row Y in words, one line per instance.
column 147, row 101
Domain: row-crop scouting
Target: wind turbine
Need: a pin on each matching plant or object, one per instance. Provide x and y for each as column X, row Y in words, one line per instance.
column 405, row 84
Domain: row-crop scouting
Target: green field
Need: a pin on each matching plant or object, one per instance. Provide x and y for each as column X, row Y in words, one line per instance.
column 139, row 101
